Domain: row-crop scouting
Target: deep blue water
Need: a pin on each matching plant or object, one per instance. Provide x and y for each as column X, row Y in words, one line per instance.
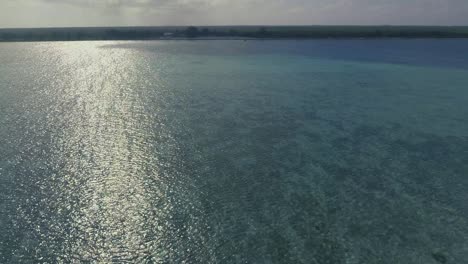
column 307, row 151
column 422, row 52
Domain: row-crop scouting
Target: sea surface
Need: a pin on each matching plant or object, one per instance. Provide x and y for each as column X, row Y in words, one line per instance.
column 279, row 151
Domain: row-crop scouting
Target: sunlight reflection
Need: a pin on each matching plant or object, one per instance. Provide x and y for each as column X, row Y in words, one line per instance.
column 104, row 154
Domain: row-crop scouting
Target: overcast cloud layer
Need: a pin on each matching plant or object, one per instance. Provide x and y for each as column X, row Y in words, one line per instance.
column 64, row 13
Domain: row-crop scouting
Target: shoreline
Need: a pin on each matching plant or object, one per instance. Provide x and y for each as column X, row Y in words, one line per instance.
column 241, row 39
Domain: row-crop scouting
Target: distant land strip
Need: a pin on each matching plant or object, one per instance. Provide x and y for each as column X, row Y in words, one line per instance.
column 229, row 32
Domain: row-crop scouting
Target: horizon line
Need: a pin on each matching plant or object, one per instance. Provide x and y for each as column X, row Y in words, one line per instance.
column 253, row 25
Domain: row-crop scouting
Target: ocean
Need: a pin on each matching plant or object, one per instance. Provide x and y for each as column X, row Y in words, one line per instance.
column 231, row 151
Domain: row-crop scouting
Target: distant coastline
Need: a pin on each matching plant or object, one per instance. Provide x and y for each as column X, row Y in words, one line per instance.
column 229, row 32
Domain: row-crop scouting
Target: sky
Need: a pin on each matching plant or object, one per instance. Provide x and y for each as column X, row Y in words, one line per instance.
column 82, row 13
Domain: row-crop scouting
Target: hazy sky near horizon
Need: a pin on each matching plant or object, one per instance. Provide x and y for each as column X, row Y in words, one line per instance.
column 65, row 13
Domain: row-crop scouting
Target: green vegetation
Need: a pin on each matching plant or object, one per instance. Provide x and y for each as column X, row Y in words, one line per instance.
column 296, row 32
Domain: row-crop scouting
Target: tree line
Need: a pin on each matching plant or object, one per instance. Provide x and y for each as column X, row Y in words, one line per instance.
column 144, row 33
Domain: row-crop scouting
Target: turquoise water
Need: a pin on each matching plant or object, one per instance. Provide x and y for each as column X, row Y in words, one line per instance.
column 325, row 151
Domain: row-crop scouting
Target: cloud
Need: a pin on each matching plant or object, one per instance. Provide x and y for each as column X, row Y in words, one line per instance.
column 181, row 12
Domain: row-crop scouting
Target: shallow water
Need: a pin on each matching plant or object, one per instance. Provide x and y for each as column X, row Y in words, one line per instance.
column 324, row 151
